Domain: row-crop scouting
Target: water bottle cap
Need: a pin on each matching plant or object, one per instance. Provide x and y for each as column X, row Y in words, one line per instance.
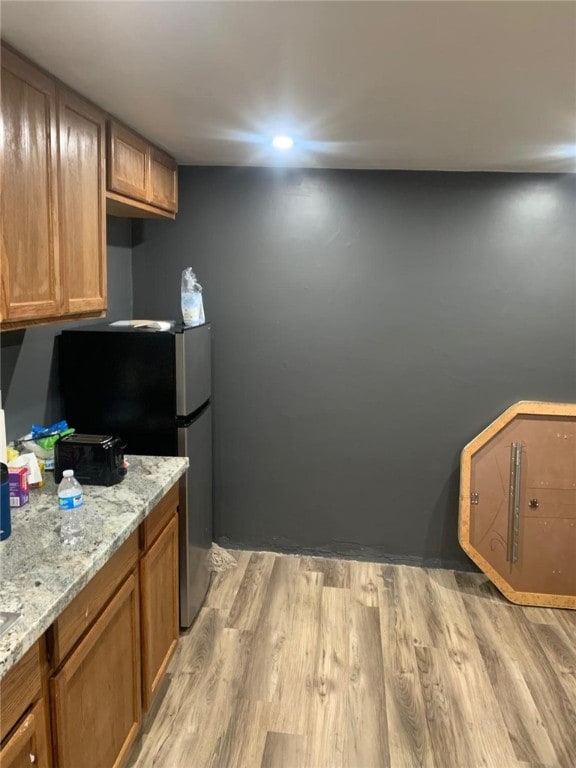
column 68, row 473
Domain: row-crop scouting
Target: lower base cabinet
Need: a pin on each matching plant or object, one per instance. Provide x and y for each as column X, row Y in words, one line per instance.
column 24, row 722
column 159, row 602
column 96, row 694
column 75, row 699
column 28, row 745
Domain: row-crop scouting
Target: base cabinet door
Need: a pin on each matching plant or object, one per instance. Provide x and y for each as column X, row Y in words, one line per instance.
column 142, row 180
column 159, row 606
column 96, row 695
column 28, row 745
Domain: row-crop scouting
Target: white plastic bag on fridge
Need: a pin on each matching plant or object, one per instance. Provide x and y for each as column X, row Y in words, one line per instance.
column 191, row 299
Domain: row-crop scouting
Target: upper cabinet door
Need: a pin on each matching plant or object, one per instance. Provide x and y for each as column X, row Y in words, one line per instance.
column 82, row 203
column 142, row 180
column 128, row 163
column 30, row 264
column 163, row 181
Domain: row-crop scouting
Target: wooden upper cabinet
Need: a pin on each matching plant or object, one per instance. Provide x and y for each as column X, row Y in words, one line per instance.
column 163, row 181
column 61, row 174
column 142, row 180
column 31, row 286
column 82, row 204
column 53, row 214
column 128, row 163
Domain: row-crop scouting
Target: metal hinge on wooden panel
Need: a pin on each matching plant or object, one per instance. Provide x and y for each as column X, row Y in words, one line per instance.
column 514, row 501
column 474, row 498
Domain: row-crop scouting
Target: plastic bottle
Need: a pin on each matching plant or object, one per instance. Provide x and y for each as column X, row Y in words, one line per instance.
column 191, row 299
column 5, row 527
column 71, row 505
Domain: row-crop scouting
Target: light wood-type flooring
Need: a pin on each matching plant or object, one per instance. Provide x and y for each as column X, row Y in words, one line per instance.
column 301, row 662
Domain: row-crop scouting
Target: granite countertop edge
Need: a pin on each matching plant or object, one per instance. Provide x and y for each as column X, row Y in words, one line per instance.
column 40, row 577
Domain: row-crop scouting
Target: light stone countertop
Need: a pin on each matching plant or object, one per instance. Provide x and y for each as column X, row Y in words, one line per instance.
column 40, row 576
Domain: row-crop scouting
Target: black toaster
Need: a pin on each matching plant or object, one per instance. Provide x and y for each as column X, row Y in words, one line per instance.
column 95, row 459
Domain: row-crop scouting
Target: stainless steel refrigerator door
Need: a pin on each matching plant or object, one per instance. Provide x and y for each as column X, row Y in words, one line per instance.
column 195, row 515
column 193, row 369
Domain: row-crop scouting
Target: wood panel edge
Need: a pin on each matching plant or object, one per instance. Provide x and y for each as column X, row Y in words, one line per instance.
column 22, row 325
column 125, row 207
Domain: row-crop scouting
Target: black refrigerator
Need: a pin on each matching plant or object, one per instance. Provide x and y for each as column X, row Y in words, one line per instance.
column 152, row 388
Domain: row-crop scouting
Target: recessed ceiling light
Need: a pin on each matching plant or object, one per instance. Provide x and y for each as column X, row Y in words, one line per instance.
column 282, row 142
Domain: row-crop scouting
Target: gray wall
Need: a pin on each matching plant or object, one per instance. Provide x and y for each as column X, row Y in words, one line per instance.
column 29, row 371
column 366, row 326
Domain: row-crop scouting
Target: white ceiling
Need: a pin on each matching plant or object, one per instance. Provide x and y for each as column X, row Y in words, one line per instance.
column 400, row 85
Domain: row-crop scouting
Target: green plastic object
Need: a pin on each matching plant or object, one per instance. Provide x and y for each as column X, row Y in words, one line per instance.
column 48, row 443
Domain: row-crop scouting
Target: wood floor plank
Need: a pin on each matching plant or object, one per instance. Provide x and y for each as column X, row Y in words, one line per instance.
column 465, row 671
column 225, row 584
column 423, row 615
column 567, row 620
column 194, row 655
column 529, row 696
column 215, row 696
column 529, row 737
column 453, row 632
column 364, row 580
column 283, row 750
column 303, row 663
column 294, row 687
column 450, row 742
column 408, row 737
column 205, row 706
column 540, row 615
column 479, row 714
column 328, row 715
column 270, row 633
column 247, row 604
column 557, row 648
column 242, row 743
column 336, row 572
column 367, row 738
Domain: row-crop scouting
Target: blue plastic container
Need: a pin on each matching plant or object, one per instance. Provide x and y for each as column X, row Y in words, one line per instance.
column 5, row 526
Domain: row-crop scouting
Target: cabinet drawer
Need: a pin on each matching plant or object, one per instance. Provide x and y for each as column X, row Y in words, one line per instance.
column 75, row 620
column 28, row 745
column 21, row 686
column 159, row 517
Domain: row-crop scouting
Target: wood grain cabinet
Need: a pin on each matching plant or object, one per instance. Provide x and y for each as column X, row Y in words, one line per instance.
column 28, row 745
column 80, row 702
column 163, row 181
column 82, row 204
column 96, row 694
column 159, row 593
column 96, row 681
column 53, row 202
column 29, row 214
column 142, row 180
column 23, row 715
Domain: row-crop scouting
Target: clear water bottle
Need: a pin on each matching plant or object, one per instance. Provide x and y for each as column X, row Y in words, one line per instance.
column 71, row 505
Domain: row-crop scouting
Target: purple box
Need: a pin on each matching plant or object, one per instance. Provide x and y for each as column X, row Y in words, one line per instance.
column 18, row 478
